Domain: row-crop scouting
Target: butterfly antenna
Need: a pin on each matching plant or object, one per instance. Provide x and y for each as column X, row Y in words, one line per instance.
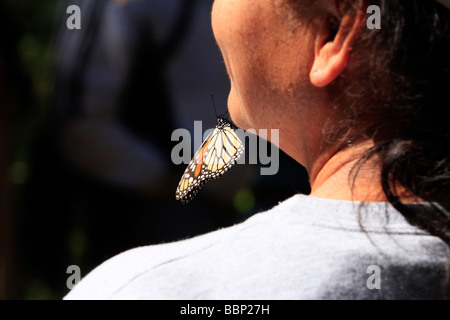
column 226, row 113
column 214, row 105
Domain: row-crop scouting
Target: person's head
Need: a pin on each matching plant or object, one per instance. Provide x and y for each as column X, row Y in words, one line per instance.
column 314, row 70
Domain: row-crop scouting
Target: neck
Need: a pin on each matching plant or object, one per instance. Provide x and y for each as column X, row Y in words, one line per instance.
column 331, row 175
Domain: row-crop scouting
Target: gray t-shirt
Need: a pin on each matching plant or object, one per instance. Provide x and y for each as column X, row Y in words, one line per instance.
column 304, row 248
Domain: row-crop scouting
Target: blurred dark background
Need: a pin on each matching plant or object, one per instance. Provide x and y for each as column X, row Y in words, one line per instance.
column 85, row 136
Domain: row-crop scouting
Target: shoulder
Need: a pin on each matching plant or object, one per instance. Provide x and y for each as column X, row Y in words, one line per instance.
column 302, row 249
column 112, row 277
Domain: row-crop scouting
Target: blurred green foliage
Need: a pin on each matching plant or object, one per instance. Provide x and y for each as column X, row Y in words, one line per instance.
column 33, row 23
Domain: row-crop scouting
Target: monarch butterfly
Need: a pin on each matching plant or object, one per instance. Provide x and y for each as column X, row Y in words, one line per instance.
column 218, row 153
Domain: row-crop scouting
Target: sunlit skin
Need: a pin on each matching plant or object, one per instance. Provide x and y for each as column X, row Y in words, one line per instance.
column 279, row 66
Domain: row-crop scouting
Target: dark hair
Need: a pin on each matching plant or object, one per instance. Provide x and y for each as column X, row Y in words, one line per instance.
column 400, row 100
column 395, row 91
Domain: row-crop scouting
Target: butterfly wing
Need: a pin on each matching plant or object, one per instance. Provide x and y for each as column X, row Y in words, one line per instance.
column 192, row 178
column 219, row 152
column 227, row 150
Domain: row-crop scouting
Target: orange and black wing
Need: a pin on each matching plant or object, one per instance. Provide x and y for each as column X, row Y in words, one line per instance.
column 219, row 152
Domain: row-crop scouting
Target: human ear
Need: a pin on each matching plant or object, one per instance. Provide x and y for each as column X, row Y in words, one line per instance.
column 331, row 55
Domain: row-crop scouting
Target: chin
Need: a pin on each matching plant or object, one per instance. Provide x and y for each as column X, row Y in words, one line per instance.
column 237, row 112
column 238, row 119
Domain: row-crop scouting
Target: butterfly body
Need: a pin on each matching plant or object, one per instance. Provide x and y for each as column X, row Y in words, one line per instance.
column 219, row 152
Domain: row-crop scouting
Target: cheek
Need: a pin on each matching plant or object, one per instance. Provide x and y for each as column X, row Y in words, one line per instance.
column 263, row 64
column 259, row 85
column 247, row 98
column 226, row 16
column 235, row 29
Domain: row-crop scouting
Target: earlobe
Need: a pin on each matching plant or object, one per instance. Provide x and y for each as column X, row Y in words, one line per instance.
column 331, row 57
